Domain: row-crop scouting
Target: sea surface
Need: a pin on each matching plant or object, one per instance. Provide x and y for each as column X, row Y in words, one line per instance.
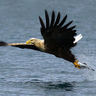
column 26, row 72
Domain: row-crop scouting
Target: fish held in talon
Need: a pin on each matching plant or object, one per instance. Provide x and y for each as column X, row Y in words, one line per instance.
column 80, row 65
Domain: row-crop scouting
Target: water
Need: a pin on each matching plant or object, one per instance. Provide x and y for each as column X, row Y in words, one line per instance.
column 31, row 73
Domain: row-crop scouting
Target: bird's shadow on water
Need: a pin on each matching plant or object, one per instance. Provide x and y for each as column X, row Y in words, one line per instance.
column 67, row 86
column 64, row 85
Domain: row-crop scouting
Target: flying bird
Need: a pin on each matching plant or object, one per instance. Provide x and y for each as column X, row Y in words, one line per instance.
column 59, row 37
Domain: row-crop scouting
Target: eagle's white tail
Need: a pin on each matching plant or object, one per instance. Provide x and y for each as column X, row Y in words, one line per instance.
column 77, row 38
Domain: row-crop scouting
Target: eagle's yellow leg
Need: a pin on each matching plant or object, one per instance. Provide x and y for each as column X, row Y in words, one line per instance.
column 76, row 64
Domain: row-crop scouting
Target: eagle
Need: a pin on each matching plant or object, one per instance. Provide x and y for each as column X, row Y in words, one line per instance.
column 59, row 37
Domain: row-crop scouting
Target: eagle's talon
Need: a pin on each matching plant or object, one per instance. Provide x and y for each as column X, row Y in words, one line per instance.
column 76, row 64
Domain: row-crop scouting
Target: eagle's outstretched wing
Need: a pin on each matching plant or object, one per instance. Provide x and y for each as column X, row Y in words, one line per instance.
column 56, row 33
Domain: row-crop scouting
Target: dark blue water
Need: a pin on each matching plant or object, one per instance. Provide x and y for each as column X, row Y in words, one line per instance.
column 31, row 73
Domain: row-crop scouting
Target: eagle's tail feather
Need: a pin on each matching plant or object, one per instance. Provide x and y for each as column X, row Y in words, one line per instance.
column 77, row 38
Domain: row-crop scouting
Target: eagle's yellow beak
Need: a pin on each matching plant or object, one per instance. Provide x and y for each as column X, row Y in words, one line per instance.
column 28, row 42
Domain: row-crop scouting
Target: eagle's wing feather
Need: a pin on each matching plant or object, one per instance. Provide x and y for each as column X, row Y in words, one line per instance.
column 55, row 33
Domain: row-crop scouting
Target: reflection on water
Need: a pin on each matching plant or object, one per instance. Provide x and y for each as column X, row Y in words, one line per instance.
column 68, row 86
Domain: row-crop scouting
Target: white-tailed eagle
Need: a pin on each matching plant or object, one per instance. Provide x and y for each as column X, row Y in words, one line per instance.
column 59, row 38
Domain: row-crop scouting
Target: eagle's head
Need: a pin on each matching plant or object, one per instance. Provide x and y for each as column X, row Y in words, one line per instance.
column 32, row 41
column 37, row 43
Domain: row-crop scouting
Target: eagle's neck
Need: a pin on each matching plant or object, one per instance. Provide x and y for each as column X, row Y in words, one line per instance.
column 40, row 45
